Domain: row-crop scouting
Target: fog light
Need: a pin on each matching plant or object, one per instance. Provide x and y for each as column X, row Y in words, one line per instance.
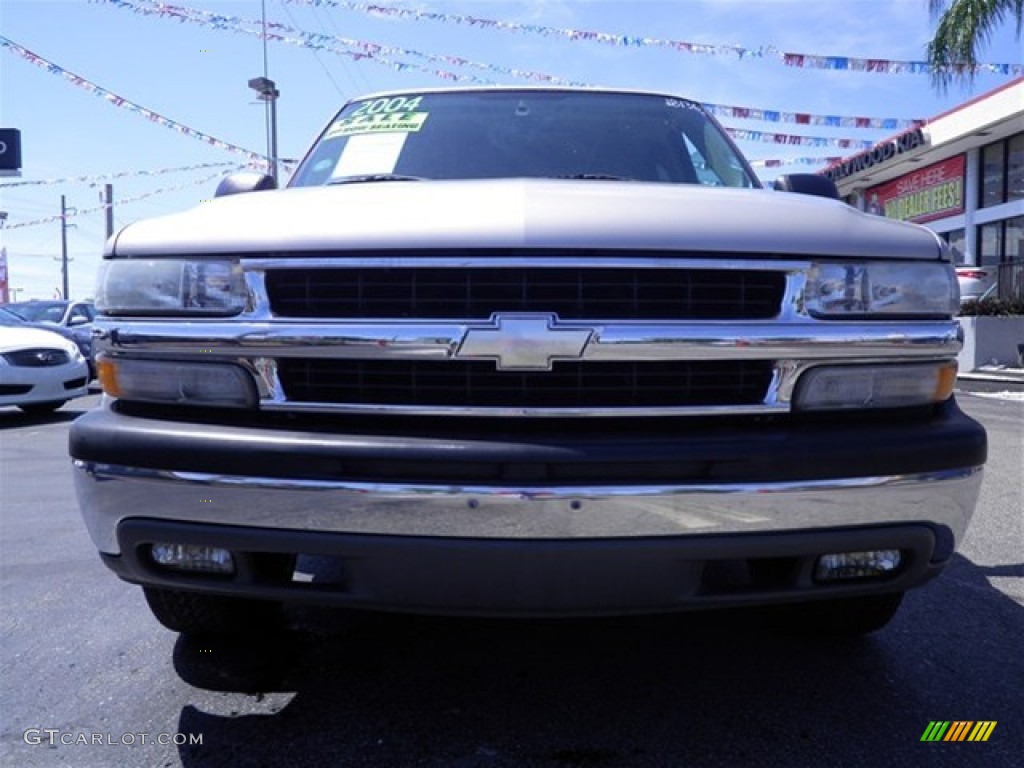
column 841, row 566
column 194, row 558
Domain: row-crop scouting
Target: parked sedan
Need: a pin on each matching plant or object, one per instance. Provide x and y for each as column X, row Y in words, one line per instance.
column 39, row 370
column 7, row 317
column 72, row 318
column 57, row 311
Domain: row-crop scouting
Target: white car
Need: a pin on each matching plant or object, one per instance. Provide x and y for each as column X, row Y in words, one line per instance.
column 39, row 370
column 975, row 282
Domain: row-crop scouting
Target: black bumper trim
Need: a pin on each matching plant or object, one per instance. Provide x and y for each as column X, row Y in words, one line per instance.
column 461, row 576
column 695, row 452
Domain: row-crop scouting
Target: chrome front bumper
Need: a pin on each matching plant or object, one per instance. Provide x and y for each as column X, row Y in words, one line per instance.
column 111, row 494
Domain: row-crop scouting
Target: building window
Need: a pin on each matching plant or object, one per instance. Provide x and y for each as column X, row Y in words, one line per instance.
column 957, row 240
column 990, row 243
column 1015, row 168
column 992, row 175
column 1001, row 241
column 1014, row 239
column 1002, row 172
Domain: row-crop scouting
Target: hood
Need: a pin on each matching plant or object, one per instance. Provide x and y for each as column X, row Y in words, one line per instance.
column 527, row 213
column 13, row 338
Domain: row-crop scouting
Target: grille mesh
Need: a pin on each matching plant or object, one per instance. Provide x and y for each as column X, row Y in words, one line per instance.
column 37, row 358
column 573, row 293
column 472, row 383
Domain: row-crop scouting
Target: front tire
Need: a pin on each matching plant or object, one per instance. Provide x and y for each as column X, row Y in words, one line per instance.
column 193, row 613
column 848, row 616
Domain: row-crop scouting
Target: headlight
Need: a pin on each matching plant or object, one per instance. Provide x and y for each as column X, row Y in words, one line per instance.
column 169, row 381
column 887, row 289
column 170, row 286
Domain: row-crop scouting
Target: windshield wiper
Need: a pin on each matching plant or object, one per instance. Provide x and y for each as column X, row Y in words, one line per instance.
column 374, row 177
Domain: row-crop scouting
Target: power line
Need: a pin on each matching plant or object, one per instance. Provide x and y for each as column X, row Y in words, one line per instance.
column 122, row 201
column 90, row 179
column 377, row 53
column 119, row 101
column 316, row 54
column 790, row 59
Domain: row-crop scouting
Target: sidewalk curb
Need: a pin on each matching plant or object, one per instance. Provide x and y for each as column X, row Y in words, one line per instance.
column 1002, row 379
column 1011, row 380
column 1015, row 376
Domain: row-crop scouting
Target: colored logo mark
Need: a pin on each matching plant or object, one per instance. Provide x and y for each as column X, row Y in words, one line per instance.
column 958, row 730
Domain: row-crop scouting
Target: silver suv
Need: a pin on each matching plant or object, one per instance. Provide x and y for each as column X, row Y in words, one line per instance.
column 526, row 352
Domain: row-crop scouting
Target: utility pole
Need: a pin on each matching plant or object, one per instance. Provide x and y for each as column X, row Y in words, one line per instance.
column 64, row 246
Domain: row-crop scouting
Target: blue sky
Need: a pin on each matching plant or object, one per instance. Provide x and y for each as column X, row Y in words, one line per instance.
column 196, row 75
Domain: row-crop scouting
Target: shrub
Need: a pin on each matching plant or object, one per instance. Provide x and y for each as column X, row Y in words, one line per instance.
column 993, row 307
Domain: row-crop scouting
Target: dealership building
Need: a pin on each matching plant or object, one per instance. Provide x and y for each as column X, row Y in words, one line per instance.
column 961, row 174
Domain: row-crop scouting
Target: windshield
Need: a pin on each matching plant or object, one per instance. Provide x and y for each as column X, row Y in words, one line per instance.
column 39, row 311
column 9, row 318
column 516, row 134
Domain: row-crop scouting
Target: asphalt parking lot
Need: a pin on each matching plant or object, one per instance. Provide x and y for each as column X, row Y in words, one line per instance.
column 88, row 678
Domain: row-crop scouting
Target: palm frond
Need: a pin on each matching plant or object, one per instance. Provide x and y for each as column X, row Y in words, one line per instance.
column 964, row 26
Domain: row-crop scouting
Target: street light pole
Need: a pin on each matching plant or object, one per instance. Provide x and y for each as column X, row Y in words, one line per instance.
column 273, row 131
column 267, row 90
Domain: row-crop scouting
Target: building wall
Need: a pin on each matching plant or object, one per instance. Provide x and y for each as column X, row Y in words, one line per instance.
column 988, row 133
column 979, row 213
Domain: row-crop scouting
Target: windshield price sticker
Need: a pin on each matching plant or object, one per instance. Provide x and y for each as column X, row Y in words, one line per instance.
column 394, row 122
column 370, row 153
column 387, row 106
column 682, row 104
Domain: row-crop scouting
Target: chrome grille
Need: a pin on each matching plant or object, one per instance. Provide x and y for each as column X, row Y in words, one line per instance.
column 460, row 383
column 573, row 293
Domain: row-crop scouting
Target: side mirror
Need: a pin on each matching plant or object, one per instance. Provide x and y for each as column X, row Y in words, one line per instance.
column 244, row 181
column 807, row 184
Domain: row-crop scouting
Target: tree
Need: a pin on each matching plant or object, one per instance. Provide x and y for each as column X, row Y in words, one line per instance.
column 964, row 26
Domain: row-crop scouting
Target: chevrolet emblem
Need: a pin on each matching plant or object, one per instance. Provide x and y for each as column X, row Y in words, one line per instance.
column 523, row 342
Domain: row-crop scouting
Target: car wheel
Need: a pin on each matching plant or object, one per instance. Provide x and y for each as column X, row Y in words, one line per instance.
column 843, row 616
column 199, row 614
column 40, row 409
